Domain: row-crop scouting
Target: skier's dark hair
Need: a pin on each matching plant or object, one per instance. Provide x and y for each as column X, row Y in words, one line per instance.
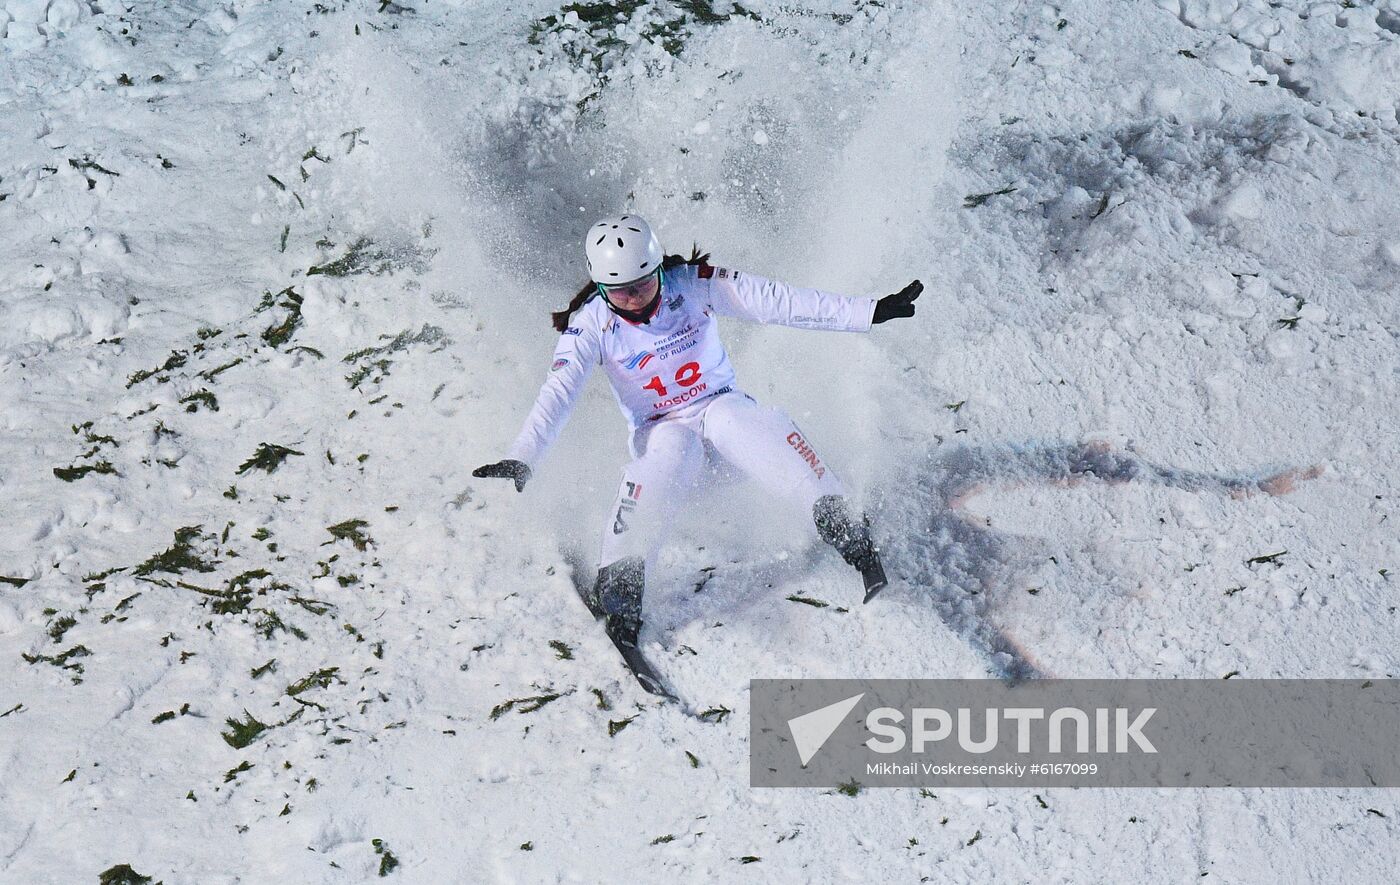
column 560, row 318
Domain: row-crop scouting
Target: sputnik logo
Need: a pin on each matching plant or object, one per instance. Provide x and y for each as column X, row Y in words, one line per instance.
column 811, row 730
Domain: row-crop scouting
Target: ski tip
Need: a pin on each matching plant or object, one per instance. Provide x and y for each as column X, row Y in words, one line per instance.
column 872, row 592
column 654, row 686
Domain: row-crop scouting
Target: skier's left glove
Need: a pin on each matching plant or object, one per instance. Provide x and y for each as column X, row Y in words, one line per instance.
column 507, row 469
column 900, row 304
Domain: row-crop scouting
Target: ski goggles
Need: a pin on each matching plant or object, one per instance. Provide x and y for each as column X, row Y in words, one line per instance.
column 628, row 290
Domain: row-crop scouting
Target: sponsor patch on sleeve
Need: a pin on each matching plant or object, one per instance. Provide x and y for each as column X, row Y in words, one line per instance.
column 706, row 271
column 558, row 364
column 573, row 330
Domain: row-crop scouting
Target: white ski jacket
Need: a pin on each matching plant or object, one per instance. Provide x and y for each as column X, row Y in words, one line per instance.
column 675, row 362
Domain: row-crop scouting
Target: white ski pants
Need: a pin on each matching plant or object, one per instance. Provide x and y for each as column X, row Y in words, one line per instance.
column 673, row 456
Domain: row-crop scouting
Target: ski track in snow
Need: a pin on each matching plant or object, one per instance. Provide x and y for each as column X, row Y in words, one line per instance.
column 1160, row 248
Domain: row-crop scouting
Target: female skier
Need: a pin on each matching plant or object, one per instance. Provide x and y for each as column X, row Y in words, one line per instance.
column 649, row 319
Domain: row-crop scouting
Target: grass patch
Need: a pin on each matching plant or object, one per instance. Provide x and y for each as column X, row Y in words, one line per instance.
column 972, row 201
column 315, row 607
column 121, row 874
column 211, row 374
column 281, row 333
column 365, row 256
column 599, row 31
column 170, row 714
column 181, row 556
column 268, row 457
column 59, row 626
column 174, row 361
column 64, row 661
column 351, row 530
column 237, row 594
column 319, row 679
column 243, row 732
column 204, row 398
column 78, row 471
column 524, row 705
column 270, row 622
column 715, row 715
column 374, row 360
column 387, row 862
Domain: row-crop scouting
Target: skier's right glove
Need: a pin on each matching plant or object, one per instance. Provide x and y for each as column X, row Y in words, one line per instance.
column 507, row 469
column 900, row 304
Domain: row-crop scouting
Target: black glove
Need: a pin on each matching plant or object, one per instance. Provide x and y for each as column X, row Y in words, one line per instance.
column 900, row 304
column 508, row 469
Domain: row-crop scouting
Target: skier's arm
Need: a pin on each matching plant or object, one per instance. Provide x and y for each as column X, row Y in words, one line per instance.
column 574, row 358
column 761, row 300
column 751, row 297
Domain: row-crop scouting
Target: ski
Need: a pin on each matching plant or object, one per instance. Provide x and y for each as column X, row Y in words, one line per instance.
column 874, row 577
column 632, row 657
column 641, row 668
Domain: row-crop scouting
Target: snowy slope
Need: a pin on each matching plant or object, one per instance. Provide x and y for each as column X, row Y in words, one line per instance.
column 1161, row 243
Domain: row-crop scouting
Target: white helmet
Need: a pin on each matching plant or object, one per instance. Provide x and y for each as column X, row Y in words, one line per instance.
column 621, row 249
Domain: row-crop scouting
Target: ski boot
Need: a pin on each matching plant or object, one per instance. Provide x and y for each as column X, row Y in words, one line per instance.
column 851, row 539
column 616, row 600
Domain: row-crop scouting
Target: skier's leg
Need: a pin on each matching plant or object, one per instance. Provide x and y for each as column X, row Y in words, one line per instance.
column 653, row 487
column 769, row 447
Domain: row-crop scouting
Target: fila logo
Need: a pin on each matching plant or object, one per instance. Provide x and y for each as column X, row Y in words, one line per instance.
column 631, row 494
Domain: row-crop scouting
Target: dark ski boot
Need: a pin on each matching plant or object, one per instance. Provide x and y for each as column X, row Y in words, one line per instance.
column 851, row 538
column 616, row 600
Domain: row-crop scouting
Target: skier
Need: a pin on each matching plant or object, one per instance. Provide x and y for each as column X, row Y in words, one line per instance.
column 649, row 320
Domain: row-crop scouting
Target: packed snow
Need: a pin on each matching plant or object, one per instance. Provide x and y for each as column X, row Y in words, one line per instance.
column 276, row 277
